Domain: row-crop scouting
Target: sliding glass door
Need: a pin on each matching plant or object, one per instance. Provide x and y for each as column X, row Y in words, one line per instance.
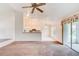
column 67, row 34
column 75, row 35
column 71, row 35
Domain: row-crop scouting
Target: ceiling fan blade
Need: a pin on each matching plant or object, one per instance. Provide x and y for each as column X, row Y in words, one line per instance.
column 33, row 10
column 39, row 10
column 27, row 7
column 34, row 4
column 41, row 4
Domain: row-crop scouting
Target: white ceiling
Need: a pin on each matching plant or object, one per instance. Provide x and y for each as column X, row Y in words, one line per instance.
column 52, row 11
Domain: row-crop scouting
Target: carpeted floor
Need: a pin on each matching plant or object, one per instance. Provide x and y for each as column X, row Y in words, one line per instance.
column 36, row 49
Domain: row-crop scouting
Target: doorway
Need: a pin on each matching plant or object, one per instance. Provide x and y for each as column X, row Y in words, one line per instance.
column 71, row 34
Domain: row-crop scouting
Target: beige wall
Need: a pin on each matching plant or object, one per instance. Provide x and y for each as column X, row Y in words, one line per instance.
column 19, row 34
column 7, row 22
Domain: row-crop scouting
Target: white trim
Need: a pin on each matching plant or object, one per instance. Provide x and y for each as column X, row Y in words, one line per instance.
column 6, row 43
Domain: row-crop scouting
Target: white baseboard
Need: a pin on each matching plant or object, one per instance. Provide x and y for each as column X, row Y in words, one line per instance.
column 6, row 43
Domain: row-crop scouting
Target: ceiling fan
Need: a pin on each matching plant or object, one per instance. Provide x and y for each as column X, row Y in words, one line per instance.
column 35, row 6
